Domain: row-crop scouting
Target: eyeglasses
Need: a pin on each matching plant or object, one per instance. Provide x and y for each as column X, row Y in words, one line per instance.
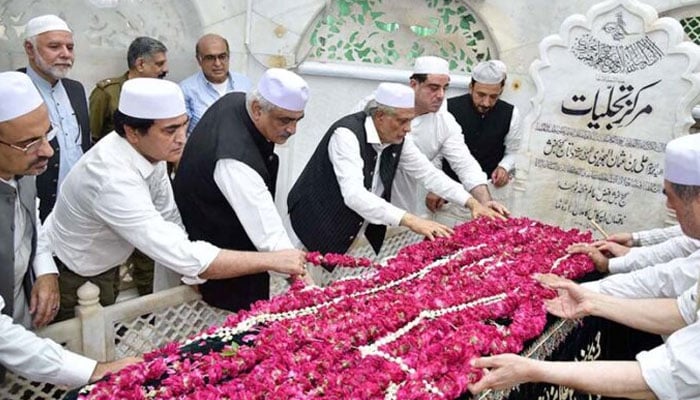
column 34, row 144
column 213, row 57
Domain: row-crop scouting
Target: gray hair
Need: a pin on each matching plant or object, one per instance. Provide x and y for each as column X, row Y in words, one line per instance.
column 686, row 193
column 142, row 47
column 372, row 107
column 255, row 95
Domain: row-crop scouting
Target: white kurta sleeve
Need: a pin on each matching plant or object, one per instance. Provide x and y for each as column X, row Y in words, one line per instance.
column 42, row 360
column 252, row 202
column 416, row 165
column 684, row 354
column 43, row 259
column 641, row 257
column 512, row 141
column 344, row 154
column 656, row 370
column 658, row 235
column 663, row 280
column 134, row 216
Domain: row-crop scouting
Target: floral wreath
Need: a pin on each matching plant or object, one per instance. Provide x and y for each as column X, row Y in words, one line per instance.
column 406, row 331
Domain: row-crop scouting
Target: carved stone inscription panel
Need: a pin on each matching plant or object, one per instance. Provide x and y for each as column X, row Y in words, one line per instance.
column 613, row 88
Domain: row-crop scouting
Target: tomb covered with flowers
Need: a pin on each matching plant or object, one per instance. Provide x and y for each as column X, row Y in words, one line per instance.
column 407, row 330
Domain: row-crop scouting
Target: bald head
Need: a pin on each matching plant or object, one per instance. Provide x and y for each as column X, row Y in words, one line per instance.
column 212, row 53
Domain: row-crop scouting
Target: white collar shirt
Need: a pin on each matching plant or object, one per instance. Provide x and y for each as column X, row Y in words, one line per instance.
column 115, row 200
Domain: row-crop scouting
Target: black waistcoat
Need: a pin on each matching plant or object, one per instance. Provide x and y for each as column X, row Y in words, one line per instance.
column 483, row 134
column 224, row 132
column 318, row 213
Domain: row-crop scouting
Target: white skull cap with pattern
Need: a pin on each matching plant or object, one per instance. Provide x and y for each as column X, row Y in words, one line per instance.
column 394, row 95
column 431, row 65
column 285, row 89
column 682, row 165
column 151, row 98
column 45, row 23
column 18, row 95
column 489, row 72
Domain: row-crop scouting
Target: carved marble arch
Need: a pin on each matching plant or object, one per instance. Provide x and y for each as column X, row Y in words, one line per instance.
column 392, row 34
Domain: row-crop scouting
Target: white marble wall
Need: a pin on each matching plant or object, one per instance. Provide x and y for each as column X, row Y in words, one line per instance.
column 266, row 33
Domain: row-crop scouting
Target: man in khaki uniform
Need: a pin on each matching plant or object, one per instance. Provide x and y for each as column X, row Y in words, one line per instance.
column 146, row 58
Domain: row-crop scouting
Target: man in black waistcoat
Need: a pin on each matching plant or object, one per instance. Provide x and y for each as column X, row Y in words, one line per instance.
column 49, row 48
column 491, row 127
column 345, row 189
column 225, row 183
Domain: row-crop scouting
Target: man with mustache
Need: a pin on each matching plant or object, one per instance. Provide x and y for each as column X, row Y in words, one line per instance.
column 146, row 58
column 491, row 127
column 214, row 80
column 225, row 184
column 25, row 133
column 345, row 190
column 49, row 48
column 119, row 197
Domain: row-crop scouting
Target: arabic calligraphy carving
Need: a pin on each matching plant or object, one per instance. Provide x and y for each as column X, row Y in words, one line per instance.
column 607, row 58
column 600, row 194
column 651, row 187
column 622, row 102
column 601, row 157
column 635, row 143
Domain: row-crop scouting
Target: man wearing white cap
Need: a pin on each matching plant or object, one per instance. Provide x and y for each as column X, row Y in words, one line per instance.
column 49, row 49
column 670, row 371
column 491, row 126
column 119, row 197
column 439, row 137
column 28, row 280
column 345, row 189
column 225, row 183
column 25, row 131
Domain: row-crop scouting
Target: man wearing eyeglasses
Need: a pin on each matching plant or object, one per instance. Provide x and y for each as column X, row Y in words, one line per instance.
column 25, row 133
column 213, row 81
column 146, row 58
column 49, row 48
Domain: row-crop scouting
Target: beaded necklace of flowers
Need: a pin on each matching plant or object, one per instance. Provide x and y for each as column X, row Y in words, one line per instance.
column 407, row 331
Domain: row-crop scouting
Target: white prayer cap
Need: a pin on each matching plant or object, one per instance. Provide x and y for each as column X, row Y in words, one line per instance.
column 45, row 23
column 283, row 88
column 489, row 72
column 682, row 164
column 431, row 65
column 394, row 95
column 151, row 98
column 18, row 95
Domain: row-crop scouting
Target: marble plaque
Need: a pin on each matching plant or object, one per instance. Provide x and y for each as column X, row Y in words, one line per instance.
column 612, row 88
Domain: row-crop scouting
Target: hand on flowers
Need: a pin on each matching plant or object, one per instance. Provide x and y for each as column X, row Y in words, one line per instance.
column 599, row 259
column 103, row 368
column 479, row 210
column 290, row 262
column 44, row 300
column 623, row 238
column 434, row 202
column 614, row 248
column 497, row 207
column 505, row 371
column 500, row 177
column 572, row 302
column 425, row 227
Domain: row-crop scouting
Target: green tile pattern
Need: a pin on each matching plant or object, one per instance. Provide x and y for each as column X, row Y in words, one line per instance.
column 395, row 33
